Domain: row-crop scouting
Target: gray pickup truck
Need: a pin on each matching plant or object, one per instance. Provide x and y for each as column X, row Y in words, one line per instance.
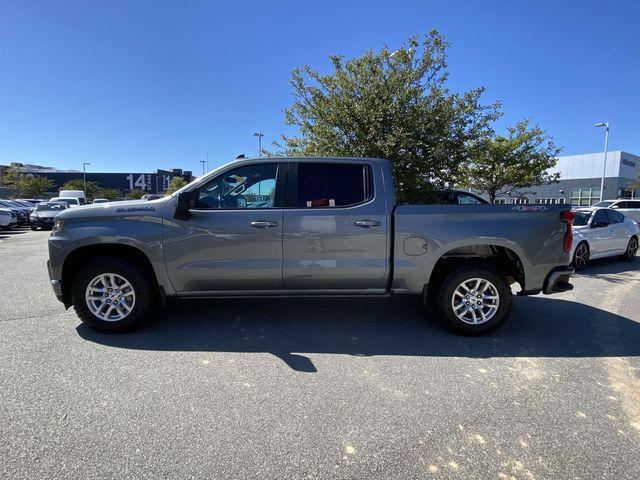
column 305, row 226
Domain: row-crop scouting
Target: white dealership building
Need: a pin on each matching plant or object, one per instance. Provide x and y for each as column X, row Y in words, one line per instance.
column 580, row 177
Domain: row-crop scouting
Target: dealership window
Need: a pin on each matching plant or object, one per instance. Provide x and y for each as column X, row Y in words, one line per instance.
column 521, row 200
column 546, row 201
column 500, row 201
column 584, row 196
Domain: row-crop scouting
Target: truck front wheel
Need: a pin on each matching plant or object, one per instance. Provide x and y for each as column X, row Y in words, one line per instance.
column 475, row 299
column 112, row 294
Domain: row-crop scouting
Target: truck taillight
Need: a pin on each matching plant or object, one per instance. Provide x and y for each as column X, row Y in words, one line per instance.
column 567, row 217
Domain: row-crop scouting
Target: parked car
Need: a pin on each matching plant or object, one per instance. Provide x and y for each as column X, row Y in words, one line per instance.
column 25, row 204
column 44, row 214
column 8, row 219
column 330, row 227
column 452, row 197
column 100, row 200
column 629, row 207
column 603, row 232
column 22, row 214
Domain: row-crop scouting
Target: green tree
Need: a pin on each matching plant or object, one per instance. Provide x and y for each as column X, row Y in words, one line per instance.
column 176, row 184
column 501, row 165
column 394, row 105
column 92, row 188
column 33, row 186
column 11, row 178
column 109, row 193
column 135, row 194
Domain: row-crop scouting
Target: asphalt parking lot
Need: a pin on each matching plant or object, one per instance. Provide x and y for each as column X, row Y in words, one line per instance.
column 317, row 388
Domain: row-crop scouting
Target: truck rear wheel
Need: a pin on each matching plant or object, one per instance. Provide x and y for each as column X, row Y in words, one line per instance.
column 475, row 299
column 112, row 294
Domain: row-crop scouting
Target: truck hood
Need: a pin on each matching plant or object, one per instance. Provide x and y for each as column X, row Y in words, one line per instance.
column 115, row 208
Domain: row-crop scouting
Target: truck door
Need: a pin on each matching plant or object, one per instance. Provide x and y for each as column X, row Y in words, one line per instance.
column 233, row 238
column 335, row 227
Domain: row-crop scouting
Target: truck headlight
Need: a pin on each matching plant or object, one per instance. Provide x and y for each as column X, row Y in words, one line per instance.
column 57, row 225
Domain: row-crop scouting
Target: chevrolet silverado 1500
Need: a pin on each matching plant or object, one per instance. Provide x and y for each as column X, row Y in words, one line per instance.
column 305, row 226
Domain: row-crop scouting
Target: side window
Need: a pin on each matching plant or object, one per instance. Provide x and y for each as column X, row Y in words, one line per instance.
column 620, row 205
column 600, row 217
column 633, row 204
column 614, row 217
column 468, row 200
column 252, row 186
column 332, row 185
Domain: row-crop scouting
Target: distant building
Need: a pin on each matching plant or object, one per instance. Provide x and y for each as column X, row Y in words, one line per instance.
column 580, row 177
column 155, row 182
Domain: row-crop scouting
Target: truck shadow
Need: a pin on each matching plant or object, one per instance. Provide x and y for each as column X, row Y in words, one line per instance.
column 288, row 328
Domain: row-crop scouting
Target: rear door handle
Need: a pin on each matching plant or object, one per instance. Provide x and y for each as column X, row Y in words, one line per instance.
column 263, row 224
column 366, row 223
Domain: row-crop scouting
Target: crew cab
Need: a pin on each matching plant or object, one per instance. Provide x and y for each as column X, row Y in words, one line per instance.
column 305, row 226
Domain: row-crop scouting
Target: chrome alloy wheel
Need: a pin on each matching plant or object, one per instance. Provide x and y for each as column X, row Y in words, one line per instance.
column 110, row 297
column 475, row 301
column 632, row 248
column 581, row 256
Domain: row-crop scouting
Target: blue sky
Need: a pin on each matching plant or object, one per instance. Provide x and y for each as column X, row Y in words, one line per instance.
column 140, row 85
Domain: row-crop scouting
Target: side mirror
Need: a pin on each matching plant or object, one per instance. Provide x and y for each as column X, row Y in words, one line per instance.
column 599, row 224
column 183, row 206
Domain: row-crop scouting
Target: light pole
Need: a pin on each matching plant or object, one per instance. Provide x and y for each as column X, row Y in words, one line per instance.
column 84, row 178
column 203, row 162
column 606, row 146
column 259, row 135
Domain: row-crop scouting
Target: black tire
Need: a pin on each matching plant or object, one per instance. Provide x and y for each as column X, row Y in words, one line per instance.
column 34, row 228
column 581, row 256
column 143, row 287
column 454, row 279
column 632, row 249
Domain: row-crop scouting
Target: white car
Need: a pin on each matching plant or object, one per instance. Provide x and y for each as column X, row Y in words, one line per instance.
column 7, row 219
column 602, row 232
column 629, row 207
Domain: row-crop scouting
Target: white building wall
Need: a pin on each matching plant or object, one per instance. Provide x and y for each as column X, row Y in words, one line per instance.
column 619, row 164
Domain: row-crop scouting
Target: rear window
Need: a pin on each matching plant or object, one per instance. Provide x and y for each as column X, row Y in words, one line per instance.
column 45, row 207
column 333, row 185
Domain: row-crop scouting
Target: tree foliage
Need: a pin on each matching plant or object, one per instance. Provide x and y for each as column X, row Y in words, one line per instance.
column 392, row 105
column 11, row 178
column 109, row 193
column 501, row 165
column 93, row 189
column 135, row 194
column 176, row 184
column 30, row 186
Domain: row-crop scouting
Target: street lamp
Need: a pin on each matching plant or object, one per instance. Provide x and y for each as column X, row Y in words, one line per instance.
column 84, row 178
column 259, row 135
column 203, row 162
column 606, row 145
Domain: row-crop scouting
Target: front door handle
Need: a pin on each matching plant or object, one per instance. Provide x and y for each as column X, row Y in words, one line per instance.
column 366, row 223
column 263, row 224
